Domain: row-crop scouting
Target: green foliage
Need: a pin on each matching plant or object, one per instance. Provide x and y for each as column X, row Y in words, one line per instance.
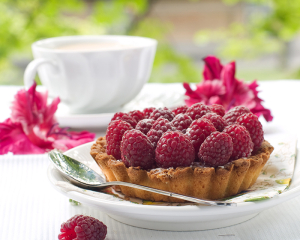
column 24, row 21
column 267, row 30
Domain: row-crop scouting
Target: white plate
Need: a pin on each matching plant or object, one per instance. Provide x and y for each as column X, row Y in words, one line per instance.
column 172, row 218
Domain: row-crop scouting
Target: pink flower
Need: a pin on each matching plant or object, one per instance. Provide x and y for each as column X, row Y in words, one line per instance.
column 221, row 87
column 33, row 129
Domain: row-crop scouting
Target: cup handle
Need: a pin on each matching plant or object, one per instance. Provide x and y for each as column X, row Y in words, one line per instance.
column 31, row 70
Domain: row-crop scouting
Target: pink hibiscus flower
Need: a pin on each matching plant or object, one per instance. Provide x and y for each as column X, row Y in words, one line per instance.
column 221, row 87
column 33, row 129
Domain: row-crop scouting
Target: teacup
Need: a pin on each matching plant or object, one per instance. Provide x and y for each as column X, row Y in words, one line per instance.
column 92, row 74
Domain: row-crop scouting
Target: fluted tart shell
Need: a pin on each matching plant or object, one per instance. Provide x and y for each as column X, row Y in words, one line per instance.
column 197, row 181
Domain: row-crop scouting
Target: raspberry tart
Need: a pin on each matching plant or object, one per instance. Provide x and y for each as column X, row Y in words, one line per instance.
column 197, row 151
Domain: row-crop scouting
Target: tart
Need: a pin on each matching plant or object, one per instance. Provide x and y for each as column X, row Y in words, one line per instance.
column 198, row 176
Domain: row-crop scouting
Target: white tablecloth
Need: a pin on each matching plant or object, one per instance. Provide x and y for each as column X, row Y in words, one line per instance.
column 31, row 209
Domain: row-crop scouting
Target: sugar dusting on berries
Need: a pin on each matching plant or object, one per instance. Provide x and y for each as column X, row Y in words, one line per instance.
column 162, row 112
column 82, row 227
column 181, row 122
column 216, row 120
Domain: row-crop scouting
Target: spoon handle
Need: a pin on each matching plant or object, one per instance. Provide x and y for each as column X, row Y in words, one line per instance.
column 170, row 194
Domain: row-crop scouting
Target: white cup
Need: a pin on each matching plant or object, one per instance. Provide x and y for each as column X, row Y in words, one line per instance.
column 92, row 80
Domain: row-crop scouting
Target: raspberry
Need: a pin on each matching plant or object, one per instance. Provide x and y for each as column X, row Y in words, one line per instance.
column 160, row 126
column 199, row 131
column 197, row 110
column 137, row 150
column 174, row 149
column 231, row 116
column 136, row 115
column 181, row 122
column 162, row 112
column 82, row 227
column 180, row 109
column 242, row 143
column 114, row 135
column 125, row 117
column 147, row 112
column 144, row 125
column 218, row 109
column 254, row 127
column 216, row 150
column 216, row 120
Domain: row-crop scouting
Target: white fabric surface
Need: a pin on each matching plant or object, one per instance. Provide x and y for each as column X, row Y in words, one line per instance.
column 31, row 209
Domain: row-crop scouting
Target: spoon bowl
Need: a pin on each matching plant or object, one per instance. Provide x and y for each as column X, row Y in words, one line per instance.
column 81, row 175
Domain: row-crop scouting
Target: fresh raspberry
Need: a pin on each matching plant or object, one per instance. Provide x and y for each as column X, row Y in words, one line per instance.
column 197, row 110
column 82, row 227
column 242, row 143
column 160, row 126
column 198, row 131
column 231, row 116
column 174, row 149
column 136, row 115
column 216, row 150
column 125, row 117
column 137, row 150
column 218, row 109
column 147, row 112
column 144, row 125
column 162, row 112
column 254, row 127
column 114, row 135
column 216, row 120
column 180, row 109
column 181, row 122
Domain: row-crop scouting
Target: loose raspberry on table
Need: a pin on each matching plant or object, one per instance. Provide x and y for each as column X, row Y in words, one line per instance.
column 218, row 109
column 147, row 111
column 160, row 126
column 136, row 115
column 174, row 149
column 197, row 110
column 137, row 150
column 231, row 116
column 145, row 125
column 114, row 135
column 82, row 227
column 181, row 122
column 125, row 117
column 254, row 127
column 162, row 112
column 198, row 131
column 216, row 120
column 180, row 109
column 216, row 149
column 242, row 143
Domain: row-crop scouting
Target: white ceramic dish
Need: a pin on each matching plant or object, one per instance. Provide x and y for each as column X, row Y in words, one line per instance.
column 171, row 218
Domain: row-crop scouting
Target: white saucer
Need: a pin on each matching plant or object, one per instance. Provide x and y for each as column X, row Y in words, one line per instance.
column 171, row 218
column 152, row 95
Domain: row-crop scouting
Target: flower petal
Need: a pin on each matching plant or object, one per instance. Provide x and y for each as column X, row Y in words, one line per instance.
column 74, row 139
column 212, row 68
column 30, row 109
column 13, row 139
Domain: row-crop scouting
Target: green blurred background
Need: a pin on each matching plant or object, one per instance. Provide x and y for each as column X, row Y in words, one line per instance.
column 261, row 35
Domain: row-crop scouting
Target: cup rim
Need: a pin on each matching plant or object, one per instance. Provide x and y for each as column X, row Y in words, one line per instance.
column 38, row 45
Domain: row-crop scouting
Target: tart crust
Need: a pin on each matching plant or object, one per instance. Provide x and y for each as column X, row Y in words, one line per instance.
column 197, row 181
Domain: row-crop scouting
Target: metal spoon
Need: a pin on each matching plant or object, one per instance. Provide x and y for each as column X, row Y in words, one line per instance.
column 81, row 175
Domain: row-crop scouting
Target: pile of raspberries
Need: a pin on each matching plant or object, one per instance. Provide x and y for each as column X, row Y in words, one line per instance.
column 176, row 138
